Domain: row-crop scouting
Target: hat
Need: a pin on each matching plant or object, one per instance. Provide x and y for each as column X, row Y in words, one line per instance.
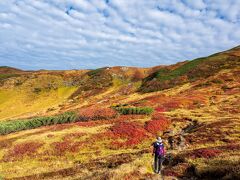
column 159, row 139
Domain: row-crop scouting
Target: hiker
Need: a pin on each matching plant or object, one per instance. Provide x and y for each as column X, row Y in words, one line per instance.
column 158, row 153
column 171, row 142
column 181, row 142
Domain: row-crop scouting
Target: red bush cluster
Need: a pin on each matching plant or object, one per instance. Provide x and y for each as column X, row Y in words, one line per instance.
column 160, row 109
column 158, row 116
column 60, row 148
column 157, row 124
column 133, row 175
column 131, row 131
column 153, row 100
column 137, row 76
column 101, row 137
column 5, row 144
column 21, row 150
column 97, row 113
column 28, row 148
column 171, row 105
column 73, row 135
column 165, row 104
column 205, row 153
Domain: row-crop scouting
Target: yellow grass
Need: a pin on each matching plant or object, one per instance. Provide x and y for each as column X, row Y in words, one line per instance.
column 19, row 103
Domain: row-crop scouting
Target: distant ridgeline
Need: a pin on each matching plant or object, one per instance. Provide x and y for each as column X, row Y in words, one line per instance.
column 7, row 72
column 92, row 82
column 193, row 70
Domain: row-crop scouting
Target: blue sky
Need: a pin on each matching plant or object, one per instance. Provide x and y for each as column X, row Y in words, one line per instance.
column 84, row 34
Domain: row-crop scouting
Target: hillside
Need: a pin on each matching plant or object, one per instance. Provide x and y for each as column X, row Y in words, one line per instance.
column 191, row 71
column 118, row 111
column 7, row 72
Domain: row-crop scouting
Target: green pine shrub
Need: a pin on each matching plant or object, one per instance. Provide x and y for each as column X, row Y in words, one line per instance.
column 19, row 125
column 134, row 110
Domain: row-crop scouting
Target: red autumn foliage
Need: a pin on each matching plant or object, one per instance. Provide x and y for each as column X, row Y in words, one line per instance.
column 168, row 172
column 108, row 135
column 160, row 109
column 97, row 113
column 158, row 123
column 164, row 103
column 131, row 131
column 158, row 116
column 73, row 135
column 137, row 76
column 60, row 148
column 21, row 150
column 127, row 129
column 133, row 175
column 155, row 99
column 205, row 153
column 28, row 148
column 154, row 126
column 171, row 105
column 126, row 90
column 5, row 144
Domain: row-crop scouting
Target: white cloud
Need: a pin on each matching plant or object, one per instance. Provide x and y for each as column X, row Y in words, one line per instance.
column 88, row 34
column 196, row 4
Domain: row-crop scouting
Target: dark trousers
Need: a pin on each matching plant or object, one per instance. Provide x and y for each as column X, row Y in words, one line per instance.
column 158, row 159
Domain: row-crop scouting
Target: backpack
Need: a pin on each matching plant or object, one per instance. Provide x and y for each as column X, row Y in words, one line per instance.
column 159, row 148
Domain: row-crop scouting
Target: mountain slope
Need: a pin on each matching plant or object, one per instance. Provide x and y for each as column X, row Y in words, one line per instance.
column 202, row 114
column 7, row 72
column 191, row 71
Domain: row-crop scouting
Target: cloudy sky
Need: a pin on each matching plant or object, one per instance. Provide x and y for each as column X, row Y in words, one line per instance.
column 80, row 34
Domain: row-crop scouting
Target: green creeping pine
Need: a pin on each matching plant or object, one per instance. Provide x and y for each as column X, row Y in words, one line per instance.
column 134, row 110
column 7, row 127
